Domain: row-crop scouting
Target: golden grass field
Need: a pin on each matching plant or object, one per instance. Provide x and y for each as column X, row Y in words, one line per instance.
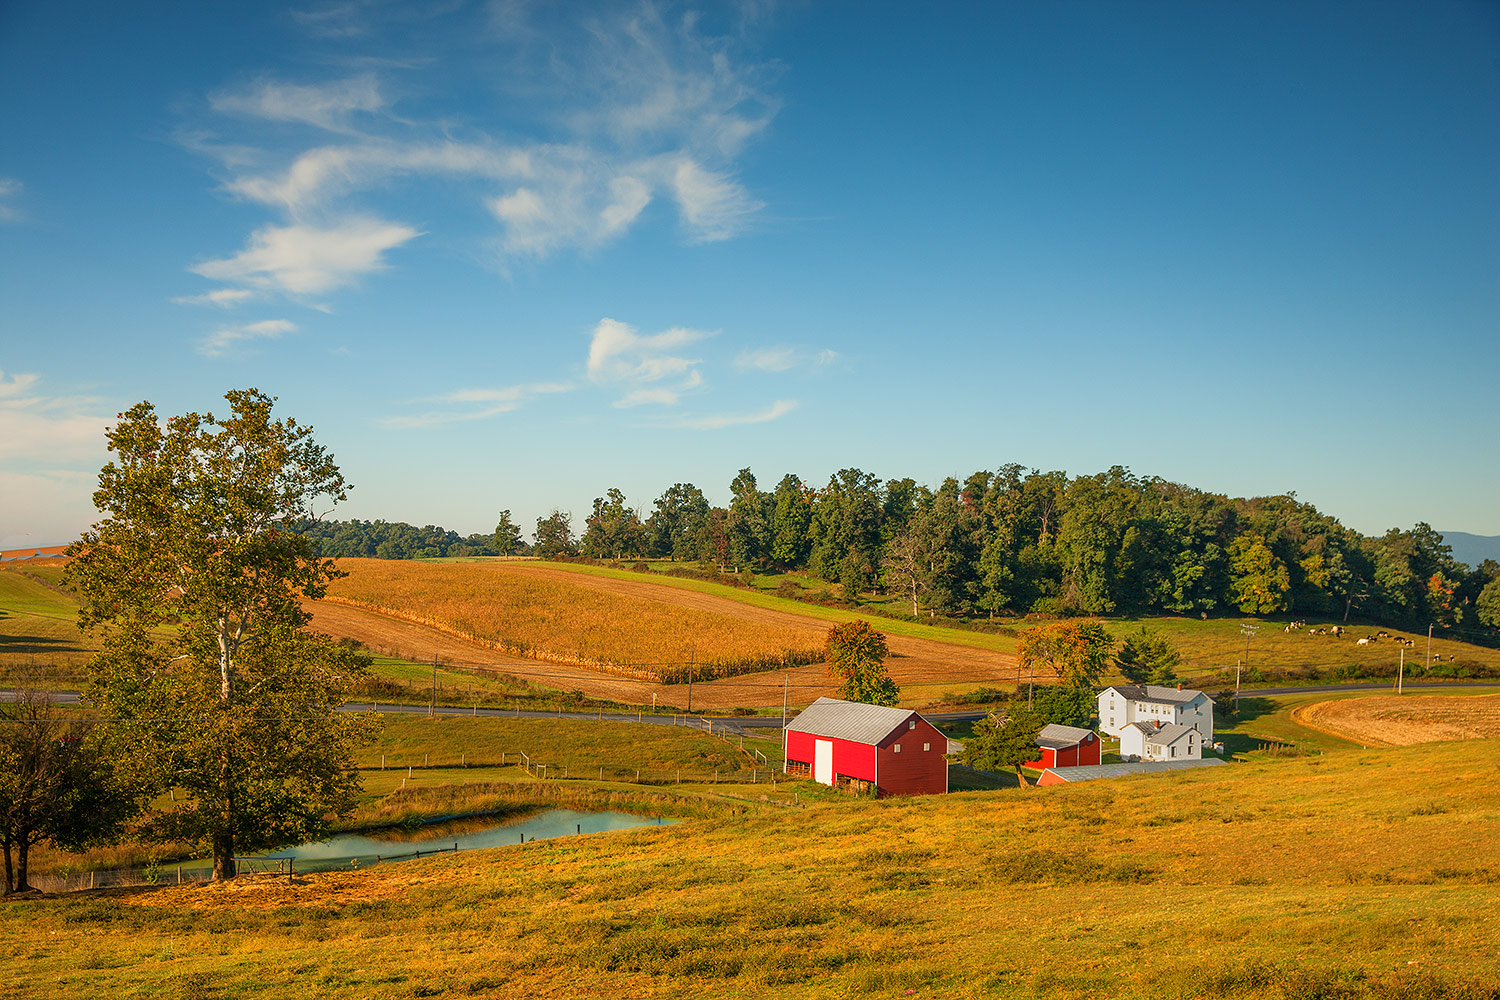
column 1401, row 721
column 514, row 608
column 1355, row 874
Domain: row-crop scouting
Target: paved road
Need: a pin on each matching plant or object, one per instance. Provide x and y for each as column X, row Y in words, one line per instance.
column 751, row 725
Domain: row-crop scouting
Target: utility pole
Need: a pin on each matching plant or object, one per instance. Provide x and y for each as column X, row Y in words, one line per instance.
column 1247, row 630
column 1401, row 670
column 692, row 669
column 432, row 705
column 1429, row 647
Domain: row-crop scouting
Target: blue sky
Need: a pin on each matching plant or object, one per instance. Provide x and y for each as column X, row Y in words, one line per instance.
column 509, row 255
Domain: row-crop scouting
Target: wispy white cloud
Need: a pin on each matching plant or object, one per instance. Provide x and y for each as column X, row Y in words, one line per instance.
column 776, row 410
column 490, row 403
column 780, row 359
column 224, row 298
column 10, row 188
column 618, row 354
column 326, row 105
column 305, row 260
column 612, row 114
column 222, row 340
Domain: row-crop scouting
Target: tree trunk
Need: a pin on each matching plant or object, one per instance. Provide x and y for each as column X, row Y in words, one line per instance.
column 1021, row 777
column 10, row 883
column 223, row 837
column 23, row 851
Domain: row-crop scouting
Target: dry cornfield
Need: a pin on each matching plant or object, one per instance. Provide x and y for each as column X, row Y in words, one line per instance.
column 504, row 607
column 1401, row 721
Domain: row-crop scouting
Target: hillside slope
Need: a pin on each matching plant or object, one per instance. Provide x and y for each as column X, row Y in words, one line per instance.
column 1360, row 874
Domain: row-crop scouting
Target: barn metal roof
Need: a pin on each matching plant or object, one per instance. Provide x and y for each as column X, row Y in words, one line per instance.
column 1091, row 771
column 1159, row 693
column 1055, row 737
column 849, row 720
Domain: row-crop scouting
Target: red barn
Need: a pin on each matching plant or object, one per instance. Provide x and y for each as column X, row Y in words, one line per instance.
column 895, row 751
column 1066, row 746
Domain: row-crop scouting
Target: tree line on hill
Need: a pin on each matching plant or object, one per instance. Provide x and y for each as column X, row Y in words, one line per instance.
column 1018, row 541
column 1014, row 541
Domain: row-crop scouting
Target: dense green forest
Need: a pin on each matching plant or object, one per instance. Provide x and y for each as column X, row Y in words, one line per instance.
column 1018, row 541
column 394, row 540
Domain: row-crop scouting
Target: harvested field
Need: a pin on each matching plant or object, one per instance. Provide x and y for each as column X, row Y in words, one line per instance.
column 925, row 668
column 536, row 616
column 1400, row 721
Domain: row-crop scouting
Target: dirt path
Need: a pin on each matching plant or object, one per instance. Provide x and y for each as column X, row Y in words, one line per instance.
column 1401, row 721
column 913, row 661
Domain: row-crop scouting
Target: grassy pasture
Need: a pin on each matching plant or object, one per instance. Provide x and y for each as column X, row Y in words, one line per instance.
column 1360, row 874
column 38, row 630
column 500, row 605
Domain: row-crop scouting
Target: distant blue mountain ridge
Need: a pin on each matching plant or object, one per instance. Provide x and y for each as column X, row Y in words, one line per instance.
column 1472, row 549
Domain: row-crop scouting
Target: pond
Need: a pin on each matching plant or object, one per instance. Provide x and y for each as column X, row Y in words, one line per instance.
column 359, row 850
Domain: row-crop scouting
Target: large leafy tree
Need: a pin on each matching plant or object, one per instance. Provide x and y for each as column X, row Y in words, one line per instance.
column 855, row 654
column 614, row 529
column 554, row 535
column 1261, row 580
column 998, row 744
column 1076, row 652
column 194, row 578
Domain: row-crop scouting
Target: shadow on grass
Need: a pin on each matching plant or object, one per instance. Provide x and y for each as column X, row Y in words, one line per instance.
column 968, row 779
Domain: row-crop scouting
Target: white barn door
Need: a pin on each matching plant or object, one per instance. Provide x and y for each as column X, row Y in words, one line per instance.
column 823, row 761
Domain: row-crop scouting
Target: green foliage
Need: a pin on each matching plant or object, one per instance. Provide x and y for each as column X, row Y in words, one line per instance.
column 1076, row 651
column 1488, row 604
column 554, row 535
column 395, row 540
column 1147, row 656
column 614, row 530
column 1067, row 706
column 507, row 538
column 1261, row 580
column 855, row 654
column 1001, row 744
column 195, row 580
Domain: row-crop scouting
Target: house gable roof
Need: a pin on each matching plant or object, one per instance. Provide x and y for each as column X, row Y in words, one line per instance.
column 1159, row 693
column 1167, row 735
column 1055, row 737
column 850, row 720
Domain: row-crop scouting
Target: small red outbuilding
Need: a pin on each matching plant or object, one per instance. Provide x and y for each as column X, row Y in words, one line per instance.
column 895, row 750
column 1066, row 746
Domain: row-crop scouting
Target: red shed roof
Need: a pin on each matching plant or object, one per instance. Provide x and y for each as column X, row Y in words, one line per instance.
column 850, row 720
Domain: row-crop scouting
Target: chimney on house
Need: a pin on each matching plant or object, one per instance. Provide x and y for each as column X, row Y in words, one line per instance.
column 1179, row 685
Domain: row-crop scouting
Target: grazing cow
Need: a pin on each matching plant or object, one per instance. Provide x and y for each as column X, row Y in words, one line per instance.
column 1383, row 634
column 1365, row 641
column 1338, row 630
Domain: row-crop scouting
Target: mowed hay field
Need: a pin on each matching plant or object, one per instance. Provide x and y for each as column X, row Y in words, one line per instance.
column 928, row 663
column 1402, row 721
column 512, row 608
column 1358, row 874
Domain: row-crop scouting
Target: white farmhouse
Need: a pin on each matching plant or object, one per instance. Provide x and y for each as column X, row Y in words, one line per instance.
column 1127, row 703
column 1160, row 741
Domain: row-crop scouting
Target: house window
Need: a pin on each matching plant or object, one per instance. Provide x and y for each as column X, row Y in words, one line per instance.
column 911, row 725
column 898, row 748
column 926, row 747
column 1174, row 751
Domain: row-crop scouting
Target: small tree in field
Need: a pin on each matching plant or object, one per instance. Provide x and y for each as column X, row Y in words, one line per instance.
column 1148, row 657
column 855, row 654
column 999, row 744
column 194, row 580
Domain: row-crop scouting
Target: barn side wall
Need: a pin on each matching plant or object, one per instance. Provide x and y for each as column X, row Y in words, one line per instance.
column 913, row 771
